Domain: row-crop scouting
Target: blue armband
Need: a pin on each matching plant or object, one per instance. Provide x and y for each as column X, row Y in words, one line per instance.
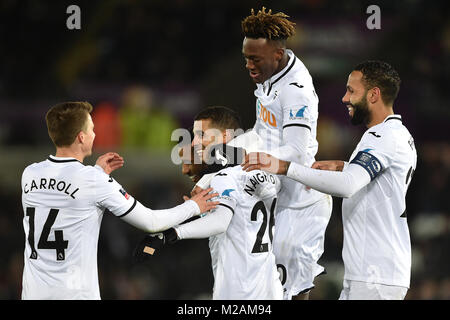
column 369, row 162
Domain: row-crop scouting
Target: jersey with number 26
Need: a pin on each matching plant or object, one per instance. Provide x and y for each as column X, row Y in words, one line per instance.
column 246, row 267
column 63, row 202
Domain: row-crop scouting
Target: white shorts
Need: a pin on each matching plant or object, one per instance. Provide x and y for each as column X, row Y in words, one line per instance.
column 298, row 243
column 358, row 290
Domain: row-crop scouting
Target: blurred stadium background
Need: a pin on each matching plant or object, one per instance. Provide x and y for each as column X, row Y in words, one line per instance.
column 149, row 66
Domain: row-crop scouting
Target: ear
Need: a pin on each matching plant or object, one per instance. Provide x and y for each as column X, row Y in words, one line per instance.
column 80, row 137
column 228, row 134
column 374, row 95
column 279, row 53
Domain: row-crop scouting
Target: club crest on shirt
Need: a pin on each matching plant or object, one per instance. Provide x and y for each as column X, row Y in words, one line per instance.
column 299, row 113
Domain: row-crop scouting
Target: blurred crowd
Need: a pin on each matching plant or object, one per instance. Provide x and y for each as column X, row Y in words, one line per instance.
column 149, row 66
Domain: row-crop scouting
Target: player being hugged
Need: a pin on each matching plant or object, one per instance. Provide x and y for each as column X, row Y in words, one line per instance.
column 241, row 228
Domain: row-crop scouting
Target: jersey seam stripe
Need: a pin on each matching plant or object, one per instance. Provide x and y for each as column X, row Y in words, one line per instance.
column 393, row 118
column 129, row 210
column 61, row 161
column 285, row 73
column 297, row 125
column 226, row 206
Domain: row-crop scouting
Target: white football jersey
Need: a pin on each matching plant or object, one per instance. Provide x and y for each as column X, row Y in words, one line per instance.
column 289, row 99
column 63, row 202
column 245, row 268
column 377, row 246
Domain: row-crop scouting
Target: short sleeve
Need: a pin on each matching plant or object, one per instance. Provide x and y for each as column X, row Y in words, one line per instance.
column 110, row 194
column 299, row 106
column 374, row 153
column 224, row 184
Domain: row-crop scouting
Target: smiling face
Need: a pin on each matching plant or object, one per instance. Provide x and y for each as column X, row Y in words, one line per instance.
column 355, row 99
column 205, row 134
column 191, row 165
column 263, row 58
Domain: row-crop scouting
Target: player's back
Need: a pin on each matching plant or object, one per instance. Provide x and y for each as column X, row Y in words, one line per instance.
column 61, row 224
column 246, row 265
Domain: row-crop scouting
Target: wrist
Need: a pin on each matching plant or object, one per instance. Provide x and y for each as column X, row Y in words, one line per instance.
column 286, row 167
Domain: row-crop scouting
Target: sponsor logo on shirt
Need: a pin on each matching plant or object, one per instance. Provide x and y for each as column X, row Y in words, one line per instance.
column 299, row 114
column 265, row 115
column 227, row 192
column 124, row 193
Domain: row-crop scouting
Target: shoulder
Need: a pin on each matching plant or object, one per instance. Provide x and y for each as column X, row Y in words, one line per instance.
column 34, row 167
column 94, row 175
column 381, row 136
column 227, row 175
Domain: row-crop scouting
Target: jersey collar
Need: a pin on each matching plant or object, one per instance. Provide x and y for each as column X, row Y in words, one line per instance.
column 393, row 117
column 61, row 159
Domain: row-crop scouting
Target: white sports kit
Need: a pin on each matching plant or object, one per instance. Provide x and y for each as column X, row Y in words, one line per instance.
column 243, row 261
column 63, row 202
column 286, row 120
column 377, row 248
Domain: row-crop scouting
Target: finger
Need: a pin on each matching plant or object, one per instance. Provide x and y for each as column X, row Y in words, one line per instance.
column 211, row 205
column 246, row 159
column 253, row 157
column 116, row 166
column 210, row 196
column 206, row 191
column 253, row 167
column 186, row 198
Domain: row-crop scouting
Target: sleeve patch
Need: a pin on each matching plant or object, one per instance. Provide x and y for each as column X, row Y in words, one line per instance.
column 369, row 162
column 295, row 114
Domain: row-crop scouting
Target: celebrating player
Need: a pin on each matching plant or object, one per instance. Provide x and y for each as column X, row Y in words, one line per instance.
column 63, row 202
column 377, row 248
column 240, row 229
column 286, row 119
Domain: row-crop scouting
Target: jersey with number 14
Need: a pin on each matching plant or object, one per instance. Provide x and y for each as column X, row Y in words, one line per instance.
column 288, row 99
column 246, row 268
column 63, row 202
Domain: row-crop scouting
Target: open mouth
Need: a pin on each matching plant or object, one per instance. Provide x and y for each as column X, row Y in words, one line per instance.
column 351, row 109
column 254, row 75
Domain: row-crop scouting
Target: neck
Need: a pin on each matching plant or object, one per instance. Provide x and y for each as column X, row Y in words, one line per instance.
column 283, row 63
column 68, row 152
column 378, row 117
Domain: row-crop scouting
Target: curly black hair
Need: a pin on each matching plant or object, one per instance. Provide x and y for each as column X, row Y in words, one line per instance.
column 267, row 25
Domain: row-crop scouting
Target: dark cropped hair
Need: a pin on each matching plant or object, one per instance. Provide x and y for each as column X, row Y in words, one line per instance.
column 221, row 118
column 380, row 74
column 267, row 25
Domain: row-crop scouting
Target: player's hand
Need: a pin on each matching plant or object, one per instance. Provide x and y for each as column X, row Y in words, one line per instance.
column 266, row 162
column 331, row 165
column 152, row 244
column 196, row 190
column 110, row 161
column 202, row 199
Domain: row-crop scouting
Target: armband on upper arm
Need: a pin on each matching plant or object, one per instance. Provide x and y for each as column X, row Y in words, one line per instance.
column 369, row 162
